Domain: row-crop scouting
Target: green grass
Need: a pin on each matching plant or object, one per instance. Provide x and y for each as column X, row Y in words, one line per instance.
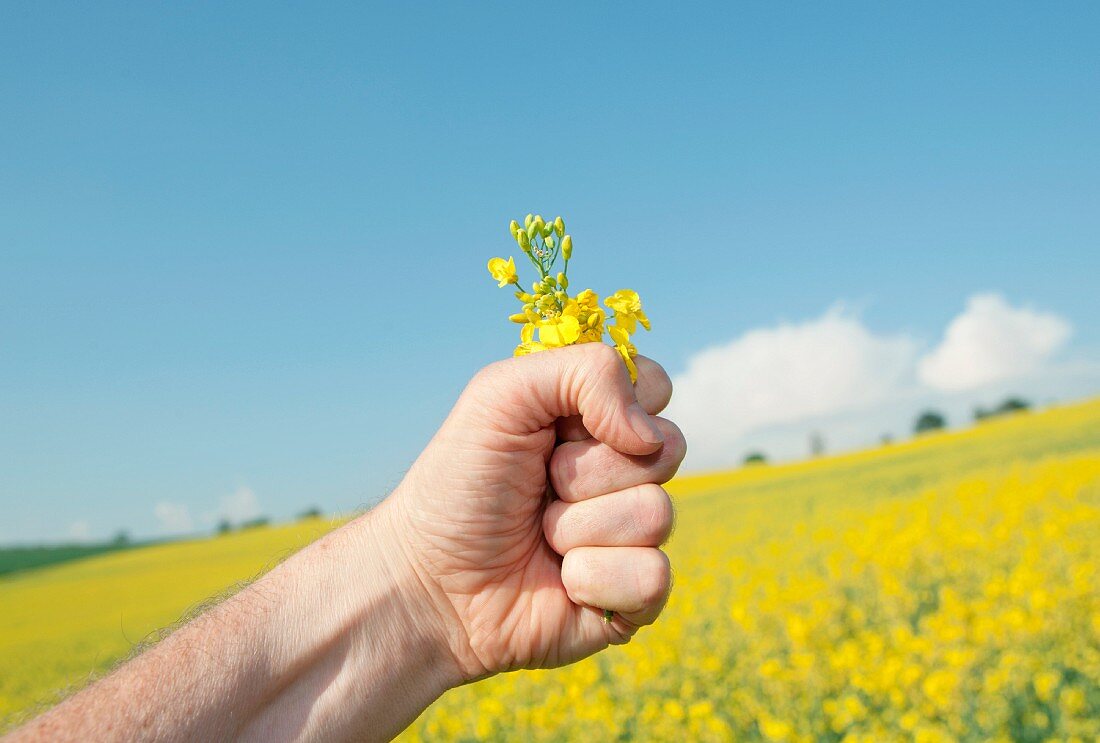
column 17, row 559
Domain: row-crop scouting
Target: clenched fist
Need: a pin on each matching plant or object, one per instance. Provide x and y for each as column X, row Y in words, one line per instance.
column 539, row 504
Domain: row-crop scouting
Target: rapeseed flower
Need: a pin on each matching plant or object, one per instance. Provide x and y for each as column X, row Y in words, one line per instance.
column 628, row 310
column 504, row 271
column 548, row 310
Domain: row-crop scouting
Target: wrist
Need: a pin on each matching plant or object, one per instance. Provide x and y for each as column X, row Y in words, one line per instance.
column 428, row 597
column 413, row 598
column 360, row 645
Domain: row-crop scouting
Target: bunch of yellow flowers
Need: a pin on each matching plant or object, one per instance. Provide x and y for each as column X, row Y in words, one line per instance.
column 549, row 311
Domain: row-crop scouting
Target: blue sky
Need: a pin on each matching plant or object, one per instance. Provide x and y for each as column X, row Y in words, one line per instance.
column 243, row 249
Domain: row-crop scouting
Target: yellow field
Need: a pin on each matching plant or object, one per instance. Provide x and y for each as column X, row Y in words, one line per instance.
column 59, row 625
column 942, row 589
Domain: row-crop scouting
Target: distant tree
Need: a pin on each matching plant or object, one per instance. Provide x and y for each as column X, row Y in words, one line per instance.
column 929, row 420
column 224, row 527
column 256, row 522
column 886, row 439
column 1008, row 405
column 756, row 457
column 817, row 444
column 121, row 539
column 1013, row 405
column 312, row 512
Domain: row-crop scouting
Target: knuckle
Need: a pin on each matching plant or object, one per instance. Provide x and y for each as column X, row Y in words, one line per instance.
column 654, row 581
column 573, row 571
column 604, row 357
column 655, row 513
column 660, row 378
column 490, row 374
column 675, row 448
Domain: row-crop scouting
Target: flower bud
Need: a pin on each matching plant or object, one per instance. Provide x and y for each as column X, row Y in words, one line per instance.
column 524, row 241
column 567, row 247
column 550, row 281
column 532, row 230
column 594, row 319
column 547, row 230
column 519, row 318
column 536, row 287
column 527, row 220
column 563, row 282
column 559, row 226
column 513, row 228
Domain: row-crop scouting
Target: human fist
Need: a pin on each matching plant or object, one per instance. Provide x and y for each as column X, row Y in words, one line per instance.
column 538, row 505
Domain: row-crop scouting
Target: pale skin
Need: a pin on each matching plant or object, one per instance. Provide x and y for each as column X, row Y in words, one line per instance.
column 469, row 569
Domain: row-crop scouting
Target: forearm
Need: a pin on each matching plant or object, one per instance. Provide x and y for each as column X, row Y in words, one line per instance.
column 326, row 645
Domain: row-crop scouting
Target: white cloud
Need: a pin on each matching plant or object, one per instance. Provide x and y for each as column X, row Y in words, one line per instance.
column 241, row 505
column 174, row 518
column 992, row 341
column 79, row 530
column 780, row 375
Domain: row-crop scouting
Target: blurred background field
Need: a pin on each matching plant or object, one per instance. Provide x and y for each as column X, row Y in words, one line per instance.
column 940, row 589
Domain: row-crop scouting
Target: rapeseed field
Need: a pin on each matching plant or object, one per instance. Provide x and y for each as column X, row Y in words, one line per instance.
column 947, row 588
column 61, row 625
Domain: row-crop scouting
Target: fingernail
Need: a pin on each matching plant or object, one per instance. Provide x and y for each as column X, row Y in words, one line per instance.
column 643, row 425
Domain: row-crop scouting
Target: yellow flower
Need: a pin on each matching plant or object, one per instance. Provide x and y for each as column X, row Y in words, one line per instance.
column 592, row 328
column 504, row 271
column 1045, row 683
column 527, row 342
column 589, row 315
column 588, row 300
column 531, row 347
column 626, row 349
column 572, row 308
column 559, row 331
column 774, row 729
column 627, row 306
column 549, row 316
column 621, row 338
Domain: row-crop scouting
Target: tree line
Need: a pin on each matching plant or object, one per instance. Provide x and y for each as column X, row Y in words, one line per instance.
column 926, row 421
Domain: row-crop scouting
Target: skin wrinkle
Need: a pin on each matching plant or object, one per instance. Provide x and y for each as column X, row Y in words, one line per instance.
column 493, row 631
column 509, row 627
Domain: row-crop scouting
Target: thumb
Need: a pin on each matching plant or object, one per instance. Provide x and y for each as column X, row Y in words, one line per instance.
column 588, row 379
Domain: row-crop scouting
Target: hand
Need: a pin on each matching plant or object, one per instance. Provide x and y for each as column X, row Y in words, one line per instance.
column 538, row 505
